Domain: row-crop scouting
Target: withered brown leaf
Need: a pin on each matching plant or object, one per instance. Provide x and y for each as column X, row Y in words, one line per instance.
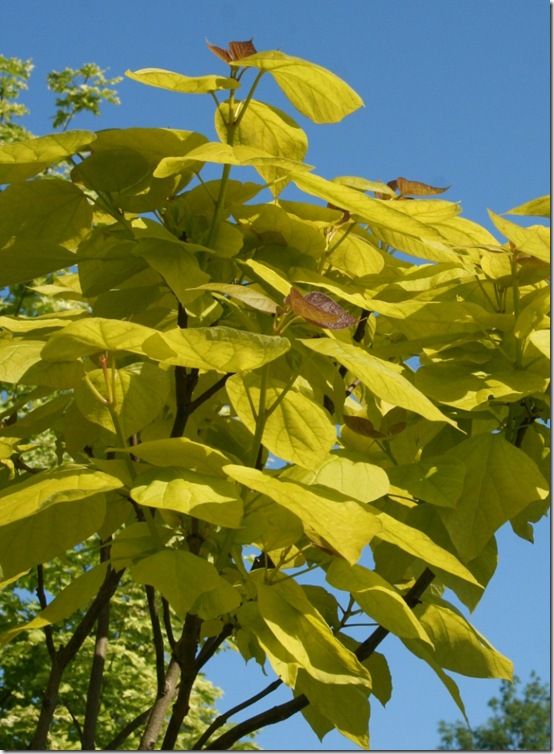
column 319, row 309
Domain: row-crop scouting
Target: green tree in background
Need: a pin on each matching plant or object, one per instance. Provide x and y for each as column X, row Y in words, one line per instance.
column 520, row 722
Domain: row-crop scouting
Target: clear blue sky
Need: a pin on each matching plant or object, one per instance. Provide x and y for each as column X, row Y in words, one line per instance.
column 456, row 94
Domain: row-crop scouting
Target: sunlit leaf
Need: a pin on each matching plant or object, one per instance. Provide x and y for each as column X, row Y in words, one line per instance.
column 178, row 82
column 297, row 430
column 209, row 498
column 316, row 92
column 344, row 524
column 23, row 159
column 48, row 488
column 221, row 348
column 182, row 578
column 378, row 376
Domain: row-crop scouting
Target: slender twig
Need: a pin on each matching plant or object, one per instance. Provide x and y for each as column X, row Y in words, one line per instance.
column 283, row 711
column 167, row 624
column 41, row 594
column 222, row 719
column 94, row 698
column 211, row 645
column 157, row 637
column 66, row 654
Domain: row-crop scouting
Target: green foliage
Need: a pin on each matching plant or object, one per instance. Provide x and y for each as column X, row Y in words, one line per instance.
column 82, row 89
column 520, row 721
column 14, row 75
column 130, row 682
column 195, row 328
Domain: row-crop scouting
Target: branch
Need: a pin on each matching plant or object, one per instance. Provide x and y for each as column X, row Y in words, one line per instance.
column 212, row 645
column 186, row 657
column 66, row 654
column 158, row 710
column 222, row 719
column 41, row 594
column 157, row 638
column 167, row 623
column 96, row 679
column 283, row 711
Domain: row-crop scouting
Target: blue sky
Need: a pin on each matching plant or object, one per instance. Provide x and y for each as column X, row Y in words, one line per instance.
column 456, row 93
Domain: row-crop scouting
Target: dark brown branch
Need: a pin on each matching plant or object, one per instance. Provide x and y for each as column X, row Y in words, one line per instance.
column 283, row 711
column 167, row 624
column 94, row 698
column 185, row 652
column 125, row 732
column 41, row 594
column 157, row 638
column 222, row 719
column 66, row 654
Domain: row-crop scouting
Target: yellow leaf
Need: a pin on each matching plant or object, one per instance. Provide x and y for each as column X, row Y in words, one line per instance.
column 95, row 334
column 378, row 376
column 223, row 349
column 534, row 240
column 52, row 487
column 346, row 525
column 297, row 430
column 23, row 159
column 178, row 82
column 316, row 92
column 203, row 496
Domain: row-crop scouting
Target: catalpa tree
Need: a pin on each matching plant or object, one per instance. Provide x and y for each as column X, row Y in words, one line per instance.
column 263, row 418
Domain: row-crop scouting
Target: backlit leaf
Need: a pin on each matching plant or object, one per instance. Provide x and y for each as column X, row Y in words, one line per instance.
column 182, row 578
column 139, row 393
column 458, row 646
column 351, row 476
column 51, row 210
column 500, row 481
column 73, row 597
column 539, row 206
column 297, row 430
column 378, row 599
column 316, row 92
column 534, row 240
column 344, row 524
column 302, row 631
column 378, row 376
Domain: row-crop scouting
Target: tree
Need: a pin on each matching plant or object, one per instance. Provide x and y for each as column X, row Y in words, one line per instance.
column 25, row 660
column 212, row 325
column 518, row 723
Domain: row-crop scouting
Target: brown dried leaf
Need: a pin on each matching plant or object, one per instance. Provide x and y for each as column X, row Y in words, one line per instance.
column 235, row 50
column 362, row 426
column 220, row 52
column 241, row 50
column 319, row 309
column 415, row 188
